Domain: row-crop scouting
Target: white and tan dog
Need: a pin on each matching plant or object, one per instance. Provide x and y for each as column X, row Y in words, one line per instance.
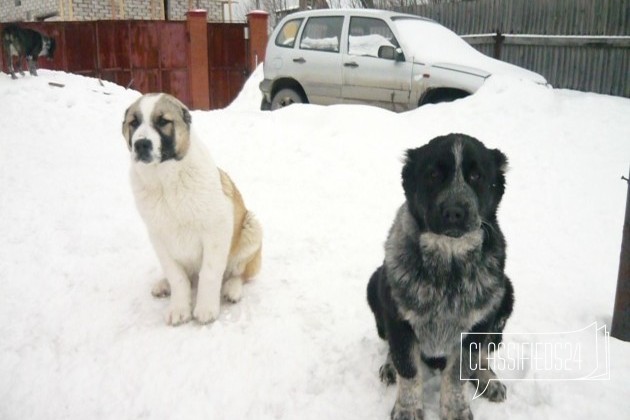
column 195, row 216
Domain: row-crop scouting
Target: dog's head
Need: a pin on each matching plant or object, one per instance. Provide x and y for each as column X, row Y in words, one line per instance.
column 157, row 129
column 453, row 184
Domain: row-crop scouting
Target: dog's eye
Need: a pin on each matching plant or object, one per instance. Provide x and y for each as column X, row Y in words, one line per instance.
column 134, row 123
column 433, row 175
column 474, row 176
column 161, row 121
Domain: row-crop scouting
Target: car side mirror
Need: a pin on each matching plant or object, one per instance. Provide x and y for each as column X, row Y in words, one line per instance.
column 389, row 52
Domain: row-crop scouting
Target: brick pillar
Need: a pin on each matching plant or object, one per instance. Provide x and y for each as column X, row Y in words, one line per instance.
column 257, row 22
column 197, row 23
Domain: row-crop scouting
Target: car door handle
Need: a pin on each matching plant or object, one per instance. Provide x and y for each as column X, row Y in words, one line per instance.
column 300, row 60
column 351, row 64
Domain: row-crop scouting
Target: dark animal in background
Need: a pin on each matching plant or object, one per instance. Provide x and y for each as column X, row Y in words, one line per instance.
column 443, row 275
column 26, row 44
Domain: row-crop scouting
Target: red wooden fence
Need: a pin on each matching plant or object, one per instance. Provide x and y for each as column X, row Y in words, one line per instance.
column 156, row 56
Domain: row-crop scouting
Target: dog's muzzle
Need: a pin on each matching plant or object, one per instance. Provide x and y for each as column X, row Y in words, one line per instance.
column 144, row 150
column 453, row 219
column 457, row 218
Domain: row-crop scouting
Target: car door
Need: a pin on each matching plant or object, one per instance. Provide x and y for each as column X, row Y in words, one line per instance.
column 316, row 62
column 368, row 78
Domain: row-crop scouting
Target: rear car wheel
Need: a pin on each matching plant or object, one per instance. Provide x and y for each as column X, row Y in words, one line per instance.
column 285, row 97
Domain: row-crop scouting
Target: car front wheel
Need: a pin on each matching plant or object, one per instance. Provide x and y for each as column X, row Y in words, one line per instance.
column 285, row 97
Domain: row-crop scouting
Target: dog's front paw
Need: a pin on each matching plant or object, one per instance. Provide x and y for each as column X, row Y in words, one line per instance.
column 387, row 373
column 161, row 289
column 496, row 392
column 453, row 404
column 464, row 414
column 177, row 314
column 404, row 413
column 205, row 313
column 233, row 289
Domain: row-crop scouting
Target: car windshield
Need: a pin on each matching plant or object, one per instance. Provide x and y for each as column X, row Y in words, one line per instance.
column 430, row 42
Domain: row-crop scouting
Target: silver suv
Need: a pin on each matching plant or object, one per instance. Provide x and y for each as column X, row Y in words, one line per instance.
column 374, row 57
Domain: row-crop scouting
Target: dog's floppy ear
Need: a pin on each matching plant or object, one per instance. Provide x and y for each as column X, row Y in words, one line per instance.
column 186, row 116
column 410, row 169
column 182, row 128
column 411, row 177
column 501, row 162
column 125, row 129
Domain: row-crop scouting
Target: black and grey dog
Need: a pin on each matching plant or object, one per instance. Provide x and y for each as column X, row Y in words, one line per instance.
column 26, row 44
column 443, row 275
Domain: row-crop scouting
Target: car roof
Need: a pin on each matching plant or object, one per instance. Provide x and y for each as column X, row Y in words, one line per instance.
column 355, row 12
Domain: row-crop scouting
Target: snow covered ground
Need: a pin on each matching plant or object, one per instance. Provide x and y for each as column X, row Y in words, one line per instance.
column 81, row 337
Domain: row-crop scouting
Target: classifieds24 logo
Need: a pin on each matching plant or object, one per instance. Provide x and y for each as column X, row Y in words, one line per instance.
column 580, row 355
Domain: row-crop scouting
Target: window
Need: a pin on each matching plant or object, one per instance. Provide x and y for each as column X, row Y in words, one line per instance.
column 367, row 35
column 18, row 2
column 286, row 37
column 322, row 34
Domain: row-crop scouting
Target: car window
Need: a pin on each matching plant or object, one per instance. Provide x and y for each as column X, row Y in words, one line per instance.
column 286, row 36
column 367, row 35
column 322, row 33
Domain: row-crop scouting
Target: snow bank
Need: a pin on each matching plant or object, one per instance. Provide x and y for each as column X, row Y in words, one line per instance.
column 82, row 337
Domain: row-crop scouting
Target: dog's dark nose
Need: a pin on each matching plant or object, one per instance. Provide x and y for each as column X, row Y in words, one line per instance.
column 453, row 215
column 143, row 150
column 143, row 146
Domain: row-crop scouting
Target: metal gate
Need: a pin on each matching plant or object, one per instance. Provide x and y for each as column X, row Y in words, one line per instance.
column 227, row 56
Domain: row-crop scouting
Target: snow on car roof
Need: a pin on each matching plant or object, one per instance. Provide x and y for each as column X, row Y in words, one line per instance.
column 356, row 12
